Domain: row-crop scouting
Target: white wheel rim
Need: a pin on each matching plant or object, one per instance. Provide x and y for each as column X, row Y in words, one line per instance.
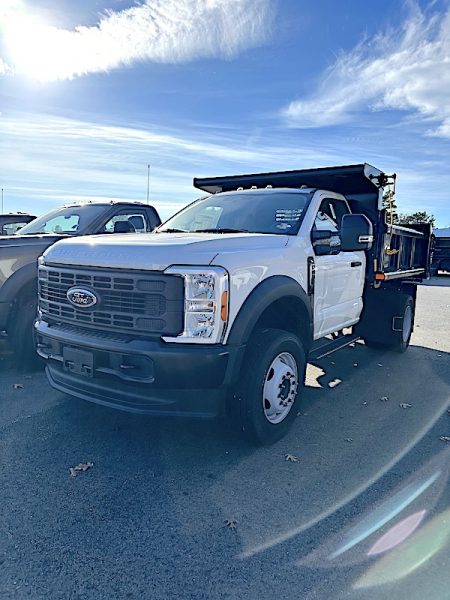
column 407, row 323
column 280, row 387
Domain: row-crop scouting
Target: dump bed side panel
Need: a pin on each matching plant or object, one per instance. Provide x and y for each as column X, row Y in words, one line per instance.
column 403, row 251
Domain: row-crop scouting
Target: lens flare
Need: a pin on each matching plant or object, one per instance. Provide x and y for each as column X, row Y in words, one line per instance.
column 409, row 556
column 397, row 534
column 384, row 513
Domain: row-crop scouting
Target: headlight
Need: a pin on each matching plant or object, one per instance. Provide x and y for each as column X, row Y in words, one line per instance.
column 205, row 304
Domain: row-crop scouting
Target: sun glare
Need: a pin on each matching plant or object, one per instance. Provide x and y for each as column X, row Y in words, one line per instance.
column 31, row 44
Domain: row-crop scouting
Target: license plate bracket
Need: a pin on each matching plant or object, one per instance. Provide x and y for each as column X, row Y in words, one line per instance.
column 78, row 362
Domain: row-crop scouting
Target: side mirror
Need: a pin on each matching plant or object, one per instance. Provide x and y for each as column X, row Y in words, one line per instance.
column 356, row 233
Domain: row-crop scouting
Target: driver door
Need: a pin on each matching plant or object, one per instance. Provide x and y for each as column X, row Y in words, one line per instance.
column 339, row 276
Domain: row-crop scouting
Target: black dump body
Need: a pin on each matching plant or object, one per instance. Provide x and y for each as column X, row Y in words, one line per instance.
column 408, row 254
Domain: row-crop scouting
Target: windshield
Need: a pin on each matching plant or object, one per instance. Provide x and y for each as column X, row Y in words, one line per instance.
column 265, row 211
column 68, row 220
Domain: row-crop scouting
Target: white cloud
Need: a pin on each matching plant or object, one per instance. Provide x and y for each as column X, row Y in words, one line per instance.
column 161, row 31
column 407, row 69
column 57, row 136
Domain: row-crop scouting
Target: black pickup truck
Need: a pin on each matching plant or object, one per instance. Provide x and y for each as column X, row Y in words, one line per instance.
column 19, row 254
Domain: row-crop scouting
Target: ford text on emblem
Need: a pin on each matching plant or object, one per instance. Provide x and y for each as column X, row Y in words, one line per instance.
column 81, row 298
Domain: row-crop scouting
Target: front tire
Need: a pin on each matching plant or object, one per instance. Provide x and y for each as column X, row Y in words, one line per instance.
column 21, row 334
column 270, row 387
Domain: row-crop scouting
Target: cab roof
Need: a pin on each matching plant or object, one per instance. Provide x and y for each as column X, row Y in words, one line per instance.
column 106, row 203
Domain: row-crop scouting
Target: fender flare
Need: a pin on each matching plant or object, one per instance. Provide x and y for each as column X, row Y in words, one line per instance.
column 262, row 296
column 18, row 280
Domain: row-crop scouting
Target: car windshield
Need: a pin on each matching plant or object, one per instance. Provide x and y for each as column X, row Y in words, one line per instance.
column 264, row 211
column 68, row 220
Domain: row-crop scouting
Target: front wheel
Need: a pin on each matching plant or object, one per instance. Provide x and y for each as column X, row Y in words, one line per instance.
column 21, row 334
column 270, row 386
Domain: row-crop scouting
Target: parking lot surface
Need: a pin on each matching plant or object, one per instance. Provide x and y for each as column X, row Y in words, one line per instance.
column 147, row 519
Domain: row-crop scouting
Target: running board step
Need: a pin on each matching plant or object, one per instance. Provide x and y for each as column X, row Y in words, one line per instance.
column 320, row 349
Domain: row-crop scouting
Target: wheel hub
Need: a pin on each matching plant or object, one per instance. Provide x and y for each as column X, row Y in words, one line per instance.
column 280, row 387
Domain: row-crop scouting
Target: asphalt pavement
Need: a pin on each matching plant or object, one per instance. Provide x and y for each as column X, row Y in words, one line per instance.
column 359, row 511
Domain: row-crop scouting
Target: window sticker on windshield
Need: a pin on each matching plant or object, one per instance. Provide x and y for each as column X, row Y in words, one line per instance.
column 287, row 217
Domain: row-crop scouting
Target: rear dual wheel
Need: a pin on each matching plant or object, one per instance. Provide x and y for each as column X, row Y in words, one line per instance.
column 399, row 314
column 270, row 387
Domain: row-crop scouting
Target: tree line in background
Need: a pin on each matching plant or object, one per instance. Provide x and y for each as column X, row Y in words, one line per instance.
column 421, row 216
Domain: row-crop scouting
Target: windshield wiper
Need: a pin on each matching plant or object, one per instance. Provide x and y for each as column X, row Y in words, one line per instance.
column 220, row 230
column 172, row 231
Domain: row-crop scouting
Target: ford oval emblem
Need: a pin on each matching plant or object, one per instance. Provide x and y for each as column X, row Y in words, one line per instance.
column 81, row 298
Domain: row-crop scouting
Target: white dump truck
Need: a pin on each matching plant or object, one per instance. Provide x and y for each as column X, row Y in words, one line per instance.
column 219, row 310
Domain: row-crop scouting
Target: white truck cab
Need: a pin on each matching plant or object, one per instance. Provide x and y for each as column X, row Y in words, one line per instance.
column 220, row 308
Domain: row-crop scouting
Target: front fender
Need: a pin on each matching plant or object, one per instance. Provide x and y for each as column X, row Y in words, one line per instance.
column 262, row 296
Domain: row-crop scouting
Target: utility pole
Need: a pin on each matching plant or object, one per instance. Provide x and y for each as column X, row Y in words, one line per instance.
column 2, row 200
column 148, row 183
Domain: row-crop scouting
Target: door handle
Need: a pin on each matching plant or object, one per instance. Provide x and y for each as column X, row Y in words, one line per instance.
column 356, row 263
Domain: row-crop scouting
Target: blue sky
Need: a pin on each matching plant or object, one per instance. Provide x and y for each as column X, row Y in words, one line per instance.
column 93, row 91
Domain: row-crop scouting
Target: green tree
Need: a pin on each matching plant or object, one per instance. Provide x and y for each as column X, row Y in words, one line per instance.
column 420, row 216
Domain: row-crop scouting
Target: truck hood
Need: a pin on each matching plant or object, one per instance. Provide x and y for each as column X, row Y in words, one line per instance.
column 28, row 240
column 156, row 251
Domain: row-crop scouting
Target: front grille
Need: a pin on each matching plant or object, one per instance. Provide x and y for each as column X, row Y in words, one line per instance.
column 139, row 302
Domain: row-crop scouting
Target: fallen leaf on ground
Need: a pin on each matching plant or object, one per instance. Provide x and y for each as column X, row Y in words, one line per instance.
column 17, row 386
column 230, row 523
column 334, row 382
column 349, row 439
column 73, row 471
column 384, row 399
column 380, row 364
column 291, row 457
column 355, row 364
column 445, row 438
column 405, row 405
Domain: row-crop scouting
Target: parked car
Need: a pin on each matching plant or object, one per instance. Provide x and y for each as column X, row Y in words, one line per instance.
column 11, row 223
column 19, row 254
column 221, row 307
column 441, row 250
